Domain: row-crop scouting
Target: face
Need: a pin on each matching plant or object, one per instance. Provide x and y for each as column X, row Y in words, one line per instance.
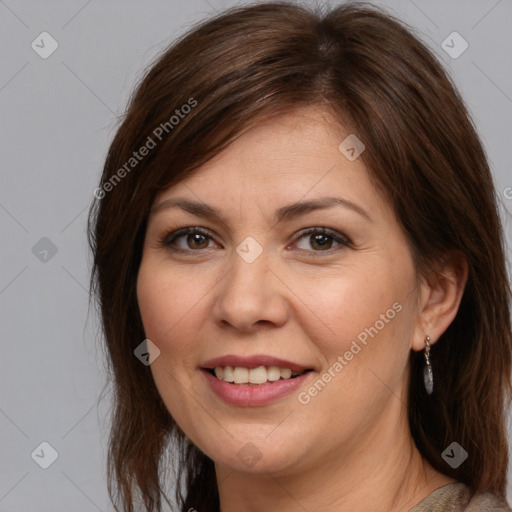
column 280, row 252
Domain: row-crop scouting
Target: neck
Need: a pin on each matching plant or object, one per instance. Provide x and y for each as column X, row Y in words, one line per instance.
column 382, row 471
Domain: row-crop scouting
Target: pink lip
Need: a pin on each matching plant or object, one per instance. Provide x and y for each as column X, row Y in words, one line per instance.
column 252, row 362
column 253, row 395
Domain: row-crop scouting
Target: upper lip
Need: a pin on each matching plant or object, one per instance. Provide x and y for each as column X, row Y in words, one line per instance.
column 252, row 362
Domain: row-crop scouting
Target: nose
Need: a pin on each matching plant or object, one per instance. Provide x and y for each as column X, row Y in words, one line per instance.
column 250, row 296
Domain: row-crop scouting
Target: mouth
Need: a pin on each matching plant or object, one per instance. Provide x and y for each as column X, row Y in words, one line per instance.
column 254, row 370
column 257, row 381
column 257, row 376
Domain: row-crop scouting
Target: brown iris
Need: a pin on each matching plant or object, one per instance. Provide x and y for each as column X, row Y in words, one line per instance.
column 197, row 241
column 321, row 241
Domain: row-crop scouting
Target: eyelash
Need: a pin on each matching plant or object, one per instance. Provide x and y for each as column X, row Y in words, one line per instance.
column 171, row 238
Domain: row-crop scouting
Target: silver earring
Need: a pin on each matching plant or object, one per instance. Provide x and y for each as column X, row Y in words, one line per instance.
column 428, row 374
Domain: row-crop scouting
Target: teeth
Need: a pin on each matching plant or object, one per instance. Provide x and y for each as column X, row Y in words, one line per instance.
column 241, row 375
column 259, row 375
column 227, row 374
column 273, row 373
column 286, row 373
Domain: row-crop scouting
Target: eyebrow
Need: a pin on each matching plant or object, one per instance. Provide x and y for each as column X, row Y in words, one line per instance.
column 285, row 213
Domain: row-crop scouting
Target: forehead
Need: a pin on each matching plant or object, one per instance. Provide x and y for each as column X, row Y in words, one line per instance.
column 271, row 171
column 294, row 154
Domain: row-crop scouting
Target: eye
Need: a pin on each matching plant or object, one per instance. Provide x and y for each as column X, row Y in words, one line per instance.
column 320, row 239
column 316, row 239
column 187, row 239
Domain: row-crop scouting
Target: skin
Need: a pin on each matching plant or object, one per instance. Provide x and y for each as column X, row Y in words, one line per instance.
column 350, row 447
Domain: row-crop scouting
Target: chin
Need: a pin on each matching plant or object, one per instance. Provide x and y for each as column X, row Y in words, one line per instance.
column 257, row 456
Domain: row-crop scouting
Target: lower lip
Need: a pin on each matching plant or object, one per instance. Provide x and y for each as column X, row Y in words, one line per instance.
column 253, row 395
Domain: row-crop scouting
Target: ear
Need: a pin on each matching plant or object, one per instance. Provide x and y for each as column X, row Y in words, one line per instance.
column 439, row 299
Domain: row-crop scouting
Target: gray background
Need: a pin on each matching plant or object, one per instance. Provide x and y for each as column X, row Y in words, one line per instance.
column 58, row 116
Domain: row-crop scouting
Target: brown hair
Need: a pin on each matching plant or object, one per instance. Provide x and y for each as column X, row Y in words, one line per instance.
column 422, row 151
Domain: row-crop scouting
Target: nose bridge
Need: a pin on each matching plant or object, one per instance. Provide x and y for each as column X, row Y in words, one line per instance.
column 248, row 293
column 249, row 272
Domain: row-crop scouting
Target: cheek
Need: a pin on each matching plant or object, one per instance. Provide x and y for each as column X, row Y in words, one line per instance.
column 153, row 303
column 343, row 307
column 364, row 318
column 167, row 310
column 362, row 329
column 167, row 298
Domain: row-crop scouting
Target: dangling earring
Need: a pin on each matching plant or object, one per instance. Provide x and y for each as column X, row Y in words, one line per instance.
column 428, row 375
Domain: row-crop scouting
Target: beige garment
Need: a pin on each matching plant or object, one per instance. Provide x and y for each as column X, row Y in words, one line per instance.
column 456, row 497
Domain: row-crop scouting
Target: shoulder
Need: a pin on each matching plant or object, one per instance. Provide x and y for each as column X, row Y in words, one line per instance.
column 457, row 497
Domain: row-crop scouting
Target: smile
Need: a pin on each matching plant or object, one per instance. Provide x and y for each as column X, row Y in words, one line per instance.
column 246, row 394
column 255, row 376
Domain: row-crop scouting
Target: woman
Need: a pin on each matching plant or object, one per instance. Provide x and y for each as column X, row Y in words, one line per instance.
column 300, row 268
